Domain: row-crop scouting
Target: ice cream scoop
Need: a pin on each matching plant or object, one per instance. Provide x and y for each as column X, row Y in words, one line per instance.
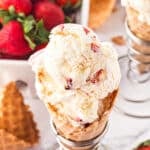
column 75, row 72
column 142, row 6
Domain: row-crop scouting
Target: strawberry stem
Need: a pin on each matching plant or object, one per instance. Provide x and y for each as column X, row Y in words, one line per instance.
column 32, row 45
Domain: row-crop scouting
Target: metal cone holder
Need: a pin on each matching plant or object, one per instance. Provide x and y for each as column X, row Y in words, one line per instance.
column 66, row 144
column 135, row 83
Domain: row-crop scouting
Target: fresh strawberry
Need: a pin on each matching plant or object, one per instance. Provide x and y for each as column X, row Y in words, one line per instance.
column 66, row 2
column 144, row 148
column 41, row 46
column 144, row 145
column 12, row 41
column 21, row 6
column 69, row 5
column 51, row 14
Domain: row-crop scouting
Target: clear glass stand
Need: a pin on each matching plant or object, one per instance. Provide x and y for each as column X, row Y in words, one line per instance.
column 66, row 144
column 134, row 98
column 134, row 87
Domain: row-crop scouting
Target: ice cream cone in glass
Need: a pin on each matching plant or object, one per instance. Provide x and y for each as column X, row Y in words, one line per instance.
column 77, row 77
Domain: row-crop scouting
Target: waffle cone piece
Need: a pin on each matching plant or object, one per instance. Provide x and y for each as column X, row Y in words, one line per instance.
column 17, row 128
column 100, row 10
column 10, row 142
column 139, row 28
column 88, row 131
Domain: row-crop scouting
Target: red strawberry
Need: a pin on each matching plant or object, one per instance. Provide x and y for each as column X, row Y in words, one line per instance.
column 144, row 148
column 12, row 41
column 96, row 76
column 62, row 3
column 69, row 84
column 69, row 6
column 35, row 1
column 95, row 48
column 51, row 14
column 66, row 2
column 24, row 6
column 41, row 46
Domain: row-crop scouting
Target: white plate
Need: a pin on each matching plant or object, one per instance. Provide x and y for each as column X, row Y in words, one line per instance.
column 14, row 70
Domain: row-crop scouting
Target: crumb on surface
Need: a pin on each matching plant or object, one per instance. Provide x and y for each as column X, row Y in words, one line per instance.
column 118, row 40
column 115, row 9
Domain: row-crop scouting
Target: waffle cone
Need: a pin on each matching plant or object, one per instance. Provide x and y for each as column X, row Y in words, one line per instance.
column 100, row 10
column 17, row 128
column 10, row 142
column 89, row 131
column 139, row 28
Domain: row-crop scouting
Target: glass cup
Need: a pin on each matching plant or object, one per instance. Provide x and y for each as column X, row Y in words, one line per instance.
column 135, row 83
column 66, row 144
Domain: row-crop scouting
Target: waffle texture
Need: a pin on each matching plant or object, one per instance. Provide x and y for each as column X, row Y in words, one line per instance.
column 17, row 128
column 87, row 131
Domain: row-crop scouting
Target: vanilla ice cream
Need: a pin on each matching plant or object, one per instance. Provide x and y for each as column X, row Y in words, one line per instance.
column 142, row 6
column 75, row 72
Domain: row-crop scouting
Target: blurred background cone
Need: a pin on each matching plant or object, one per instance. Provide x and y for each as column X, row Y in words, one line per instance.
column 17, row 128
column 100, row 10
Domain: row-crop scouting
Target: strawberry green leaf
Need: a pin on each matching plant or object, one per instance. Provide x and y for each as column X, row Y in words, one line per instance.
column 38, row 34
column 3, row 13
column 30, row 42
column 28, row 24
column 146, row 143
column 70, row 8
column 42, row 33
column 11, row 10
column 8, row 15
column 21, row 15
column 68, row 19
